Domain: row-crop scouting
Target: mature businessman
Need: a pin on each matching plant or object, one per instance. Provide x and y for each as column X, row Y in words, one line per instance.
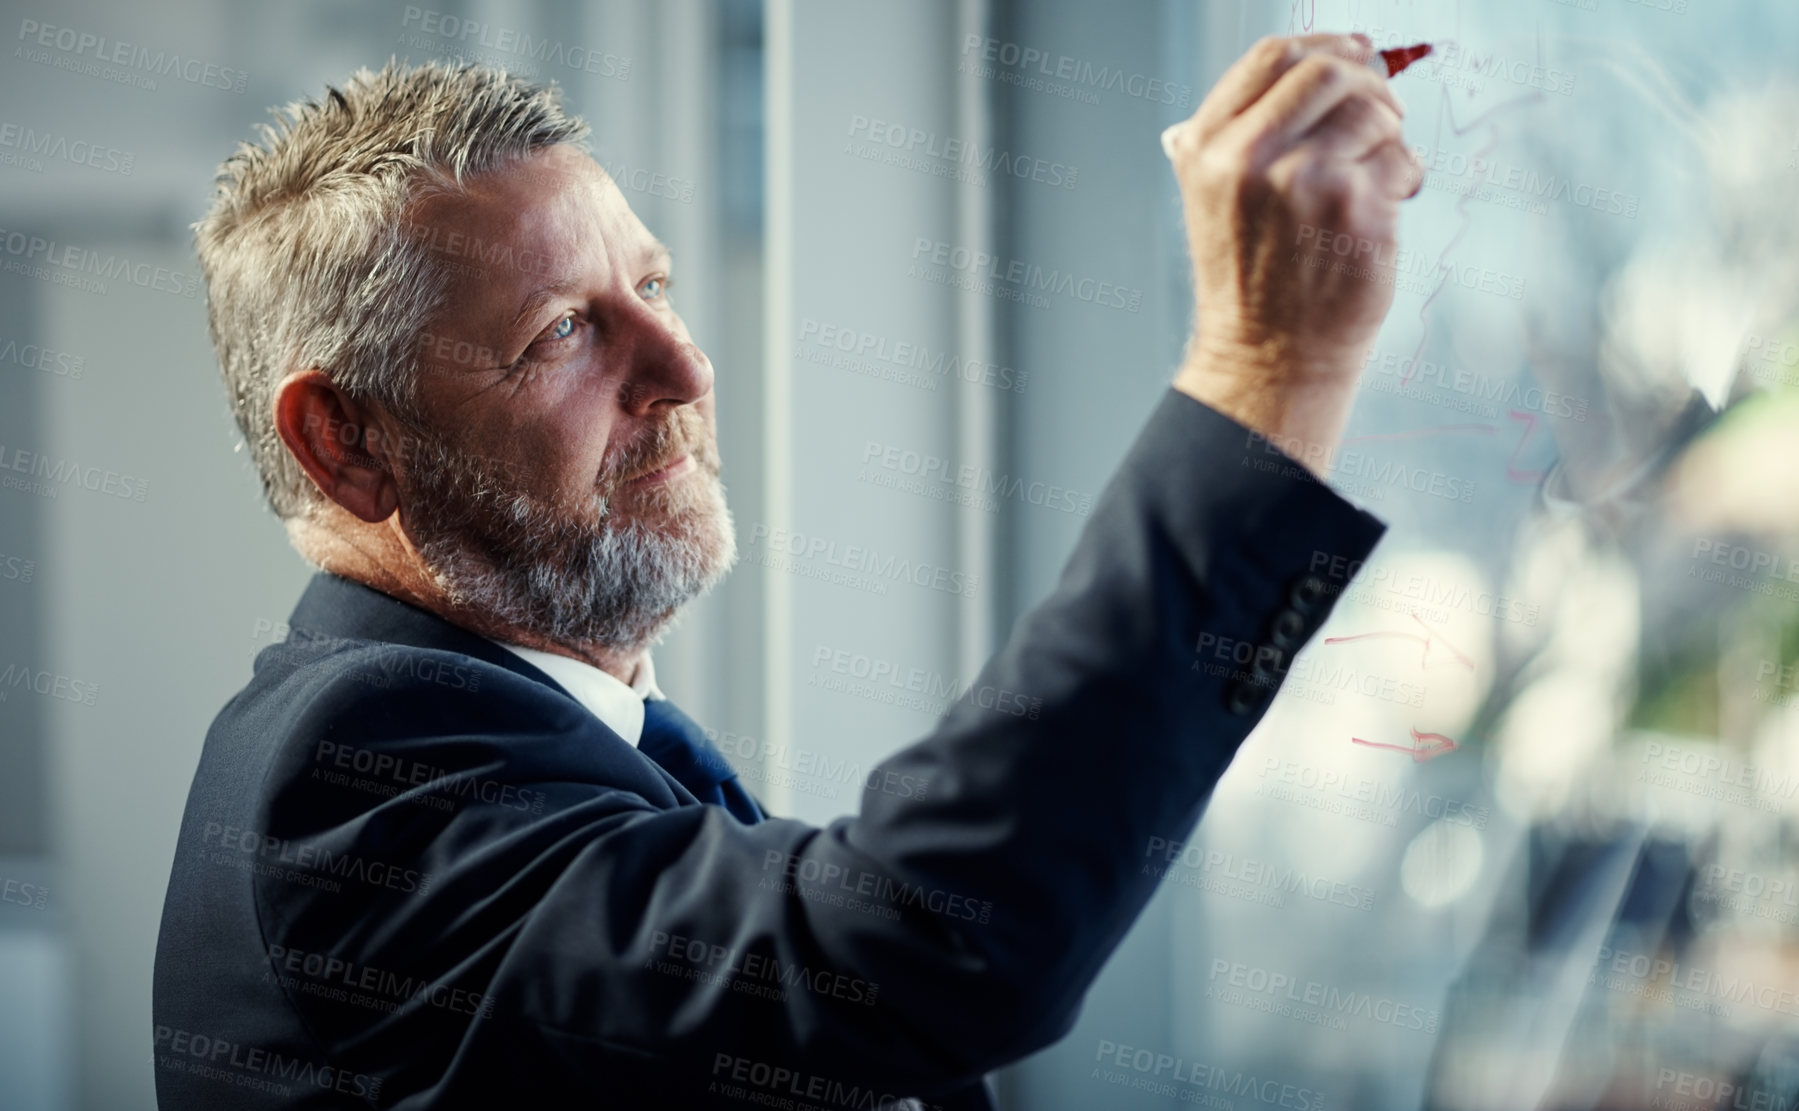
column 451, row 848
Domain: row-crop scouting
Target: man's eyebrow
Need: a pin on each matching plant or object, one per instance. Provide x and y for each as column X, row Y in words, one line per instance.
column 655, row 252
column 535, row 302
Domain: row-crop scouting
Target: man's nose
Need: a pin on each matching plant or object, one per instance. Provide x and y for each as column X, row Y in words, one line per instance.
column 666, row 367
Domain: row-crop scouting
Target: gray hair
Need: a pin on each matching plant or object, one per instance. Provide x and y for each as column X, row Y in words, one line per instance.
column 305, row 251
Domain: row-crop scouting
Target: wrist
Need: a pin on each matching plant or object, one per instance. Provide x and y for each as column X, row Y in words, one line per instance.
column 1298, row 403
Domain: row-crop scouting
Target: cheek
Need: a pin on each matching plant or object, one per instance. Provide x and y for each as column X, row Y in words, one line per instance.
column 559, row 454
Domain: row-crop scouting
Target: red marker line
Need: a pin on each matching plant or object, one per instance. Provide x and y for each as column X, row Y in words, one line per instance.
column 1424, row 746
column 1430, row 638
column 1461, row 206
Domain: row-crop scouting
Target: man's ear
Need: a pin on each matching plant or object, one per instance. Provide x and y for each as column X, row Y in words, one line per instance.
column 329, row 433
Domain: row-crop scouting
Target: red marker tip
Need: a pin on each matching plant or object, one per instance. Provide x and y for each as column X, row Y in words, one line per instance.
column 1396, row 60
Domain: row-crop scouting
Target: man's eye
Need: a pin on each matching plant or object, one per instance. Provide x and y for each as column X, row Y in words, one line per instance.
column 656, row 287
column 558, row 331
column 545, row 345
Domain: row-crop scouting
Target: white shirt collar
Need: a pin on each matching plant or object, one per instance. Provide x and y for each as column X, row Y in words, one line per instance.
column 618, row 706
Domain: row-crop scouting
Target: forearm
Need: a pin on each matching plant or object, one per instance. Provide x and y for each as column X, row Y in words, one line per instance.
column 1047, row 817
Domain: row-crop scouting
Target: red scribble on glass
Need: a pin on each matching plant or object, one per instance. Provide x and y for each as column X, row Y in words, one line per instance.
column 1511, row 465
column 1512, row 470
column 1424, row 746
column 1296, row 23
column 1429, row 640
column 1461, row 206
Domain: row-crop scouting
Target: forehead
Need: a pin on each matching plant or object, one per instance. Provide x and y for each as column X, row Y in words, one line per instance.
column 536, row 216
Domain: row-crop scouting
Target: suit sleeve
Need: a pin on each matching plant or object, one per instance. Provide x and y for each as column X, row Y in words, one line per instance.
column 909, row 948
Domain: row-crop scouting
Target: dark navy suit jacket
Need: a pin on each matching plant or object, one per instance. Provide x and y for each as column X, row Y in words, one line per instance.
column 413, row 872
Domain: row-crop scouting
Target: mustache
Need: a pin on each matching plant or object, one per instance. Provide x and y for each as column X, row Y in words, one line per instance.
column 679, row 435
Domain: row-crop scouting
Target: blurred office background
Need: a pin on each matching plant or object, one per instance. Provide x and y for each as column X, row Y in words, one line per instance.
column 1520, row 830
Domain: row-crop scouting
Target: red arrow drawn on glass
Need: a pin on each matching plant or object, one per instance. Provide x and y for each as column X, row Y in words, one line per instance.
column 1423, row 746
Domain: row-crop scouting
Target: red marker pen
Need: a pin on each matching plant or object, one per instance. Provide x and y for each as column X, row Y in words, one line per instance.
column 1391, row 63
column 1387, row 63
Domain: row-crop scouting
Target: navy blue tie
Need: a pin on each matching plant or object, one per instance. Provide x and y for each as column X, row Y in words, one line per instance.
column 679, row 745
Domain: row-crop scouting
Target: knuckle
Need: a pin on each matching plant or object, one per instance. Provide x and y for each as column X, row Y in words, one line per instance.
column 1326, row 180
column 1213, row 166
column 1322, row 71
column 1380, row 119
column 1274, row 52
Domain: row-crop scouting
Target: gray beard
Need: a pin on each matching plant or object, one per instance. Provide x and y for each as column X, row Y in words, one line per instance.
column 573, row 573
